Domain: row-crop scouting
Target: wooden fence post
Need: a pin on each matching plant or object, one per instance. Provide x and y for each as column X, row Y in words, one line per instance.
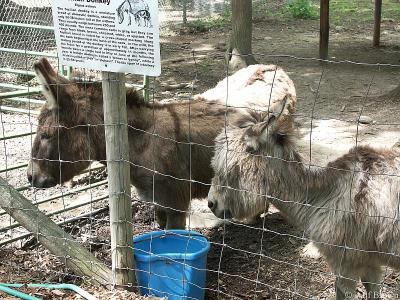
column 324, row 29
column 117, row 146
column 377, row 23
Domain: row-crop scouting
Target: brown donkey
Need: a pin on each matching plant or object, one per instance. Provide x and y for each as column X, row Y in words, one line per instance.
column 170, row 159
column 171, row 145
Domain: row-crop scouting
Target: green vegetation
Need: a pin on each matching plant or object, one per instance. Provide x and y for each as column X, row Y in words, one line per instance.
column 301, row 9
column 209, row 23
column 359, row 11
column 205, row 64
column 341, row 11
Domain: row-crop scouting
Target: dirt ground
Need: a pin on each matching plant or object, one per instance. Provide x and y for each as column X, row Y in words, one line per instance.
column 346, row 92
column 265, row 259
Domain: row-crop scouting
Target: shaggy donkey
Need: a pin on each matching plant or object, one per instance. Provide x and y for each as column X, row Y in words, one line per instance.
column 70, row 134
column 350, row 208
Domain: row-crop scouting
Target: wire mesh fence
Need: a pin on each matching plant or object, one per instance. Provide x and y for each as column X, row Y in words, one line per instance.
column 349, row 101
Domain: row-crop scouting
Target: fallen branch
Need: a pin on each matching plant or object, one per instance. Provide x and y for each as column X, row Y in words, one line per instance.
column 52, row 237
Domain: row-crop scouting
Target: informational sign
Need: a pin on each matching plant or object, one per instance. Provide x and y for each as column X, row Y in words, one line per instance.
column 109, row 35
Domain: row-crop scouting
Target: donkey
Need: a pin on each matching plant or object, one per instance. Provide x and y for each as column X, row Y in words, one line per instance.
column 137, row 8
column 145, row 15
column 175, row 140
column 350, row 208
column 258, row 87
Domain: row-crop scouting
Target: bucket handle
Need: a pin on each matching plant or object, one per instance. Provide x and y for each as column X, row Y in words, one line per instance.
column 165, row 234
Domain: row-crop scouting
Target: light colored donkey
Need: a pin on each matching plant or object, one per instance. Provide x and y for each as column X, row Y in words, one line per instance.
column 242, row 90
column 350, row 208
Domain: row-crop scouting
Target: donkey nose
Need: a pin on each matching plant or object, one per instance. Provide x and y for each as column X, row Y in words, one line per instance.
column 43, row 182
column 30, row 178
column 250, row 149
column 211, row 205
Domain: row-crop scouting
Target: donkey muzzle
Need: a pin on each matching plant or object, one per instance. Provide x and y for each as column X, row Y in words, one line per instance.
column 219, row 213
column 38, row 179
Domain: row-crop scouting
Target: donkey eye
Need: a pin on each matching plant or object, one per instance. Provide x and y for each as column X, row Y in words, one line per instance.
column 45, row 136
column 245, row 125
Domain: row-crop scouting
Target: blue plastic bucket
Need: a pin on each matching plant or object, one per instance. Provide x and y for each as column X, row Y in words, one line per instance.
column 171, row 263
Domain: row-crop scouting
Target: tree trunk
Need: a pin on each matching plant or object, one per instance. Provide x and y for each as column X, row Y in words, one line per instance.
column 324, row 29
column 240, row 51
column 184, row 12
column 377, row 23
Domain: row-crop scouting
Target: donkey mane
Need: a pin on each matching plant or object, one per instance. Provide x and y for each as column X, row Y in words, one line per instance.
column 134, row 99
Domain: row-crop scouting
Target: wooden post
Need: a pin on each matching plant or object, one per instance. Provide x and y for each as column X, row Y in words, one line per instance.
column 51, row 236
column 240, row 51
column 117, row 147
column 146, row 88
column 377, row 23
column 184, row 12
column 324, row 29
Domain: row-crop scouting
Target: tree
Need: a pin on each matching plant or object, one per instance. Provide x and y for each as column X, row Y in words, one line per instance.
column 240, row 51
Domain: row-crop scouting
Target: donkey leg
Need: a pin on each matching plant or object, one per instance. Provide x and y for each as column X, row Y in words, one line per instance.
column 176, row 220
column 372, row 280
column 345, row 288
column 161, row 216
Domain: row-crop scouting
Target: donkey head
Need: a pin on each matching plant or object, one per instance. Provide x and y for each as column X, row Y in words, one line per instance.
column 242, row 161
column 62, row 147
column 257, row 124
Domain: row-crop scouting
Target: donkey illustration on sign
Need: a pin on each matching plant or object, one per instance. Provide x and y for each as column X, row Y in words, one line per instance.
column 139, row 9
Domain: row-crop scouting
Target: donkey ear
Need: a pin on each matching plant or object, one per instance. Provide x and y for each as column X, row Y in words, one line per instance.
column 258, row 135
column 276, row 112
column 46, row 77
column 48, row 67
column 53, row 85
column 280, row 108
column 281, row 124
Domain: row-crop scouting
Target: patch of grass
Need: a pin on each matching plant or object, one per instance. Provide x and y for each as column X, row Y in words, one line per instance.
column 342, row 12
column 260, row 9
column 205, row 65
column 226, row 14
column 361, row 11
column 209, row 23
column 348, row 11
column 301, row 9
